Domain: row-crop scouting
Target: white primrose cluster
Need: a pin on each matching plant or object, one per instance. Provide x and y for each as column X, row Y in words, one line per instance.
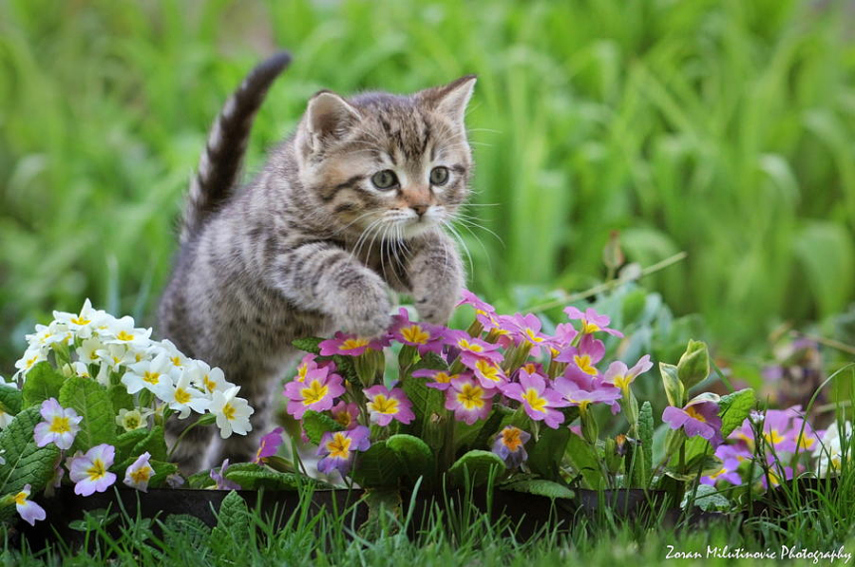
column 94, row 344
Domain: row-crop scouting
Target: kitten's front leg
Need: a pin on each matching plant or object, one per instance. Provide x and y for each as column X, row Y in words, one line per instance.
column 322, row 277
column 436, row 277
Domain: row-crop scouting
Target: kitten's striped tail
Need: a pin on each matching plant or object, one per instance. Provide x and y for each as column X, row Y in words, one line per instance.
column 220, row 163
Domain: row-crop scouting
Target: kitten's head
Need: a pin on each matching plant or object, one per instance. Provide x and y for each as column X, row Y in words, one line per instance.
column 397, row 166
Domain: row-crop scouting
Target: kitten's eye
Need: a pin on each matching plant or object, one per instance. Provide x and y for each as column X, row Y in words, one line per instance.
column 385, row 179
column 439, row 175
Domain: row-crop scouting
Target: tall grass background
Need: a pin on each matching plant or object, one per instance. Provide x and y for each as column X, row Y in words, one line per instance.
column 722, row 128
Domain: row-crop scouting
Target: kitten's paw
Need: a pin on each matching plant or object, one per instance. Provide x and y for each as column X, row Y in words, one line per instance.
column 365, row 310
column 435, row 306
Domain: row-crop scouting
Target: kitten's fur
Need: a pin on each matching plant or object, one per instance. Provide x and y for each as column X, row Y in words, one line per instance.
column 311, row 245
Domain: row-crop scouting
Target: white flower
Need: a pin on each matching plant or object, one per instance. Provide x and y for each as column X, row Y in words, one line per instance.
column 60, row 425
column 829, row 453
column 45, row 336
column 232, row 412
column 207, row 379
column 182, row 397
column 152, row 375
column 117, row 355
column 122, row 331
column 139, row 473
column 83, row 324
column 32, row 356
column 88, row 351
column 176, row 357
column 133, row 419
column 5, row 419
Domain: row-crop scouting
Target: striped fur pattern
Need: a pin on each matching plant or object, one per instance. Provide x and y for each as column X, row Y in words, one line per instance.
column 312, row 244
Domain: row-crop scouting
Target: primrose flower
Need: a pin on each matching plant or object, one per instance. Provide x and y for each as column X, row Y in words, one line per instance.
column 621, row 377
column 698, row 417
column 527, row 329
column 317, row 392
column 28, row 510
column 349, row 345
column 90, row 472
column 152, row 375
column 345, row 414
column 727, row 473
column 122, row 331
column 424, row 336
column 32, row 356
column 829, row 452
column 269, row 445
column 232, row 412
column 582, row 391
column 307, row 364
column 338, row 449
column 538, row 400
column 784, row 430
column 592, row 321
column 83, row 323
column 60, row 425
column 472, row 349
column 441, row 378
column 469, row 298
column 565, row 334
column 5, row 419
column 489, row 374
column 384, row 405
column 222, row 483
column 583, row 358
column 133, row 419
column 207, row 379
column 510, row 446
column 139, row 473
column 469, row 400
column 183, row 397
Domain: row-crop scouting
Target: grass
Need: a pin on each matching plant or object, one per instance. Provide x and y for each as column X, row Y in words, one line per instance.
column 720, row 128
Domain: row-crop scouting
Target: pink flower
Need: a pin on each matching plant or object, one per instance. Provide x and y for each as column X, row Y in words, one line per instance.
column 60, row 425
column 308, row 364
column 268, row 445
column 441, row 378
column 220, row 478
column 346, row 414
column 384, row 405
column 699, row 417
column 350, row 345
column 316, row 393
column 510, row 446
column 583, row 390
column 472, row 349
column 489, row 374
column 139, row 473
column 564, row 336
column 424, row 336
column 90, row 472
column 480, row 305
column 584, row 357
column 338, row 449
column 526, row 328
column 29, row 510
column 727, row 473
column 621, row 376
column 538, row 400
column 592, row 321
column 469, row 400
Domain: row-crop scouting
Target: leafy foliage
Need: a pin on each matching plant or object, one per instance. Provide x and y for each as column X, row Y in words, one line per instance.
column 25, row 462
column 43, row 382
column 315, row 424
column 91, row 401
column 475, row 467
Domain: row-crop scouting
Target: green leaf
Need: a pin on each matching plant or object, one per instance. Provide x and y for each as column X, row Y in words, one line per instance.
column 734, row 408
column 491, row 426
column 181, row 531
column 415, row 455
column 43, row 382
column 120, row 398
column 126, row 442
column 540, row 487
column 645, row 435
column 25, row 462
column 253, row 480
column 476, row 466
column 585, row 462
column 378, row 467
column 162, row 470
column 430, row 361
column 10, row 399
column 427, row 406
column 201, row 479
column 694, row 365
column 545, row 456
column 316, row 424
column 91, row 401
column 233, row 520
column 154, row 443
column 308, row 344
column 707, row 498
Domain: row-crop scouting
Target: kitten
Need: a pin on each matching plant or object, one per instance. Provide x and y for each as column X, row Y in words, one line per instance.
column 347, row 208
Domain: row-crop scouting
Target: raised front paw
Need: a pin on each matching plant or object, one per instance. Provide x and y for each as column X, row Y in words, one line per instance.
column 364, row 309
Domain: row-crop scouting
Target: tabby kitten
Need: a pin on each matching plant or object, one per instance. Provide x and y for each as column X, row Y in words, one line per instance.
column 346, row 209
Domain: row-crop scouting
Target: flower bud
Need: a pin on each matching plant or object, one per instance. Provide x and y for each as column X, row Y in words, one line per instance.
column 694, row 365
column 674, row 389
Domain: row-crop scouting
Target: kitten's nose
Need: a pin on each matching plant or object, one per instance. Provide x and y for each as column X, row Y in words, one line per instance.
column 420, row 209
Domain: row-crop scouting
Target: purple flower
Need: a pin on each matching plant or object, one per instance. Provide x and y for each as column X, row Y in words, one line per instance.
column 90, row 472
column 139, row 473
column 338, row 449
column 220, row 478
column 268, row 445
column 699, row 417
column 469, row 400
column 727, row 473
column 472, row 349
column 60, row 425
column 584, row 357
column 538, row 400
column 480, row 305
column 489, row 374
column 564, row 336
column 424, row 336
column 350, row 345
column 510, row 446
column 441, row 378
column 384, row 405
column 317, row 392
column 592, row 321
column 29, row 510
column 621, row 376
column 583, row 390
column 345, row 414
column 526, row 328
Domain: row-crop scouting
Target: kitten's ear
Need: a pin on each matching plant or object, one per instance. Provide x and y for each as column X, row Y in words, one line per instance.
column 452, row 98
column 328, row 115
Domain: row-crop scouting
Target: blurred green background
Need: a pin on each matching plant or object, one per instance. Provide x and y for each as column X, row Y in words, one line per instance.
column 719, row 128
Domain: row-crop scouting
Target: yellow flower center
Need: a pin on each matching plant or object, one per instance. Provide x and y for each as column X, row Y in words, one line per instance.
column 80, row 320
column 443, row 377
column 339, row 446
column 151, row 377
column 97, row 470
column 534, row 400
column 344, row 418
column 21, row 498
column 470, row 397
column 806, row 442
column 210, row 385
column 471, row 347
column 182, row 396
column 32, row 361
column 141, row 475
column 229, row 411
column 384, row 405
column 415, row 334
column 532, row 337
column 314, row 393
column 350, row 344
column 584, row 363
column 530, row 368
column 302, row 371
column 60, row 425
column 695, row 414
column 773, row 437
column 511, row 438
column 488, row 370
column 125, row 336
column 176, row 361
column 622, row 381
column 589, row 328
